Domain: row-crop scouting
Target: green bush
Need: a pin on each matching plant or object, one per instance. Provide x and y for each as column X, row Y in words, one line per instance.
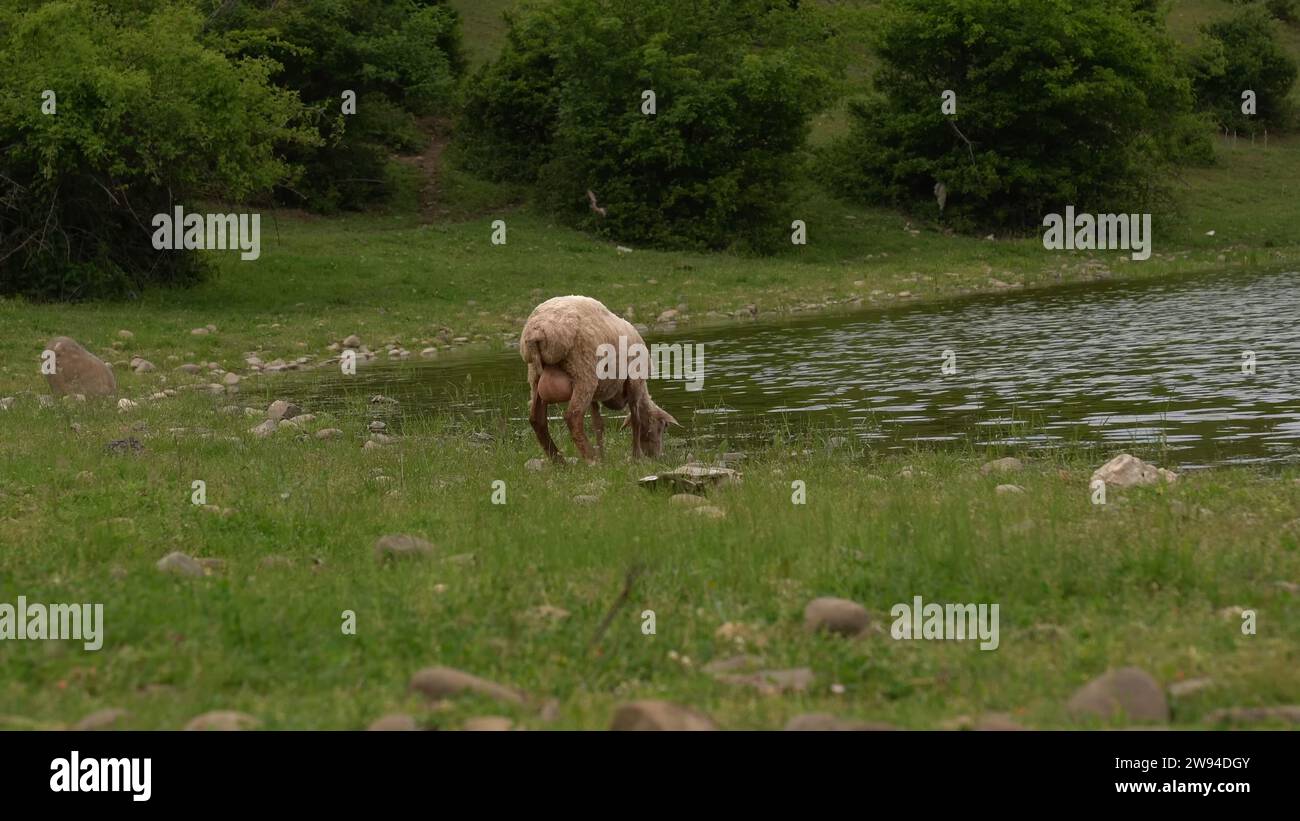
column 1243, row 53
column 146, row 117
column 400, row 57
column 1058, row 102
column 735, row 84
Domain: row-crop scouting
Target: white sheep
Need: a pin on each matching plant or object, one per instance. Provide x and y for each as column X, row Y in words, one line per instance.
column 561, row 342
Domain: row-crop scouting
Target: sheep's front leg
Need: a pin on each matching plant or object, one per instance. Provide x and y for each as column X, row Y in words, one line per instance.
column 598, row 425
column 537, row 417
column 578, row 404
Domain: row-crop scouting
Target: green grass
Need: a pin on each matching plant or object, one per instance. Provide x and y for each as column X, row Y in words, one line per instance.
column 1081, row 588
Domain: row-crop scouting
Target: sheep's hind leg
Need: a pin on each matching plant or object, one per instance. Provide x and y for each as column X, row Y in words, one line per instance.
column 537, row 417
column 578, row 404
column 598, row 425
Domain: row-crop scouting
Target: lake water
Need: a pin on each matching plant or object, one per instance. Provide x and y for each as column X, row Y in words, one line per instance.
column 1152, row 363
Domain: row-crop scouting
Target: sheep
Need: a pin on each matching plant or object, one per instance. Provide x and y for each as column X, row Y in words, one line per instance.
column 561, row 342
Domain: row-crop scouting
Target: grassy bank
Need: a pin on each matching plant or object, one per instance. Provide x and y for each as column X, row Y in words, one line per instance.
column 1143, row 580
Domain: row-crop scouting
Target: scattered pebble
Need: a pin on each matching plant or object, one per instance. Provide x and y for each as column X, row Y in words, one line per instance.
column 223, row 720
column 1129, row 690
column 101, row 719
column 659, row 715
column 839, row 616
column 401, row 545
column 488, row 724
column 179, row 564
column 1009, row 464
column 444, row 682
column 394, row 721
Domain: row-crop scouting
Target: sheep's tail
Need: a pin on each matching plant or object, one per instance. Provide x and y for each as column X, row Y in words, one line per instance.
column 532, row 350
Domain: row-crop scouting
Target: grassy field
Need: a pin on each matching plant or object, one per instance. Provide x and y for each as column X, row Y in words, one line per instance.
column 1143, row 580
column 1148, row 579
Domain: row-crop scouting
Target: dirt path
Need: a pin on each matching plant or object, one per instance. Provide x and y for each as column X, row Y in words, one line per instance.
column 429, row 163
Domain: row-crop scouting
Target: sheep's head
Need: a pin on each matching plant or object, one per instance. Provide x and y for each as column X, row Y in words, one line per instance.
column 648, row 426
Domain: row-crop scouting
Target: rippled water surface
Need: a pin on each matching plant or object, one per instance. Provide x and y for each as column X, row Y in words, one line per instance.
column 1148, row 363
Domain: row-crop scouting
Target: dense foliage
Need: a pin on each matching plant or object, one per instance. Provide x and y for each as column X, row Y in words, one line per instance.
column 1057, row 102
column 1241, row 53
column 735, row 83
column 109, row 117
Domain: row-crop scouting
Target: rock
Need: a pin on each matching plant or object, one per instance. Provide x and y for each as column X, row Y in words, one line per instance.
column 281, row 409
column 692, row 478
column 1182, row 689
column 825, row 722
column 393, row 721
column 1003, row 490
column 179, row 564
column 127, row 445
column 773, row 682
column 429, row 353
column 223, row 720
column 6, row 403
column 687, row 500
column 668, row 315
column 382, row 439
column 1287, row 714
column 1010, row 464
column 535, row 464
column 991, row 722
column 124, row 334
column 839, row 616
column 143, row 366
column 352, row 341
column 101, row 719
column 1128, row 690
column 190, row 368
column 265, row 429
column 401, row 545
column 377, row 426
column 200, row 332
column 1127, row 471
column 733, row 664
column 444, row 682
column 488, row 724
column 371, row 444
column 124, row 405
column 708, row 512
column 659, row 715
column 77, row 370
column 328, row 433
column 230, row 380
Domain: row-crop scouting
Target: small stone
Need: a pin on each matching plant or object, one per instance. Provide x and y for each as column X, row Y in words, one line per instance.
column 190, row 368
column 124, row 405
column 230, row 379
column 1009, row 464
column 401, row 545
column 535, row 464
column 281, row 409
column 429, row 353
column 773, row 682
column 1129, row 690
column 200, row 332
column 488, row 724
column 143, row 366
column 825, row 722
column 839, row 616
column 668, row 315
column 1182, row 689
column 228, row 720
column 1286, row 714
column 393, row 722
column 265, row 429
column 377, row 426
column 1126, row 470
column 328, row 433
column 659, row 715
column 124, row 334
column 708, row 512
column 179, row 564
column 101, row 719
column 444, row 682
column 352, row 341
column 1003, row 490
column 733, row 664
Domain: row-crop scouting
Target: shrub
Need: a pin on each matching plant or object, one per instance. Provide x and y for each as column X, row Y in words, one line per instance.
column 1058, row 103
column 1240, row 53
column 735, row 84
column 400, row 57
column 145, row 117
